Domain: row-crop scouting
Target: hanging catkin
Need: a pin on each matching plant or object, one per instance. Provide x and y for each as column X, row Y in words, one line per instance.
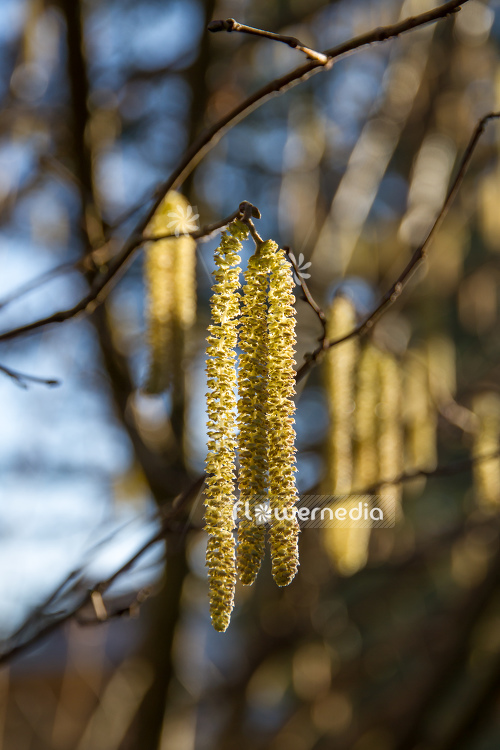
column 221, row 427
column 419, row 415
column 340, row 363
column 486, row 474
column 284, row 527
column 345, row 543
column 252, row 413
column 366, row 471
column 169, row 269
column 390, row 440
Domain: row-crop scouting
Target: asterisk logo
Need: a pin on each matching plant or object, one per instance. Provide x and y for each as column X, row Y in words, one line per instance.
column 183, row 220
column 301, row 268
column 262, row 514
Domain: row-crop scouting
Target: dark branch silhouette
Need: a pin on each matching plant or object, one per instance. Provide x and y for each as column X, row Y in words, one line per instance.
column 418, row 256
column 109, row 274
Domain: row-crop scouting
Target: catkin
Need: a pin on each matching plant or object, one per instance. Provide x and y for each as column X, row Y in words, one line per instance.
column 170, row 280
column 221, row 427
column 390, row 440
column 486, row 474
column 282, row 489
column 340, row 363
column 347, row 543
column 420, row 415
column 366, row 471
column 252, row 413
column 158, row 271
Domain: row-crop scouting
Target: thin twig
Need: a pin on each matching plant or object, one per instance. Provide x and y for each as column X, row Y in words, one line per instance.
column 418, row 256
column 307, row 296
column 209, row 139
column 203, row 233
column 447, row 470
column 231, row 25
column 22, row 379
column 247, row 210
column 99, row 288
column 170, row 525
column 39, row 281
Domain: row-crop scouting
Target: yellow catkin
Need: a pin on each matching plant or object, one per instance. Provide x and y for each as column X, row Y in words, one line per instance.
column 284, row 527
column 442, row 366
column 390, row 439
column 345, row 543
column 486, row 474
column 420, row 415
column 158, row 272
column 221, row 427
column 366, row 471
column 170, row 280
column 340, row 363
column 252, row 414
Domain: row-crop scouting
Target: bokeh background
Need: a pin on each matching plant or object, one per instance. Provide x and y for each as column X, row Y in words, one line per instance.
column 98, row 102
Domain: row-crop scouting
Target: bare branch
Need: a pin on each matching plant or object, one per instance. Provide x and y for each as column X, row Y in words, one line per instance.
column 22, row 379
column 170, row 524
column 307, row 296
column 418, row 256
column 74, row 583
column 447, row 470
column 231, row 25
column 101, row 283
column 209, row 138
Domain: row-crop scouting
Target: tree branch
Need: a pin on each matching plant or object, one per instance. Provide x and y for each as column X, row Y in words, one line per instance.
column 173, row 521
column 22, row 379
column 307, row 296
column 418, row 256
column 231, row 25
column 209, row 138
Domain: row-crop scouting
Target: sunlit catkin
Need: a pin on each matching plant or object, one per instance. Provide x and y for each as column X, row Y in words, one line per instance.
column 390, row 440
column 252, row 413
column 340, row 363
column 346, row 542
column 284, row 527
column 420, row 415
column 486, row 474
column 169, row 269
column 366, row 471
column 221, row 427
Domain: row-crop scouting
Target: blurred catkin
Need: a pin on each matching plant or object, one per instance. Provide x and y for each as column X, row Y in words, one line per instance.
column 420, row 414
column 366, row 471
column 169, row 269
column 390, row 439
column 252, row 413
column 281, row 408
column 486, row 474
column 347, row 543
column 221, row 427
column 339, row 371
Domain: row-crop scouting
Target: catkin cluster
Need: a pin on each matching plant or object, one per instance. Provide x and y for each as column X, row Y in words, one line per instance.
column 169, row 270
column 486, row 473
column 382, row 412
column 265, row 408
column 221, row 427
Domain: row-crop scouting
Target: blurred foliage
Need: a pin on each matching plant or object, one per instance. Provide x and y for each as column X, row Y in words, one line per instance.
column 397, row 647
